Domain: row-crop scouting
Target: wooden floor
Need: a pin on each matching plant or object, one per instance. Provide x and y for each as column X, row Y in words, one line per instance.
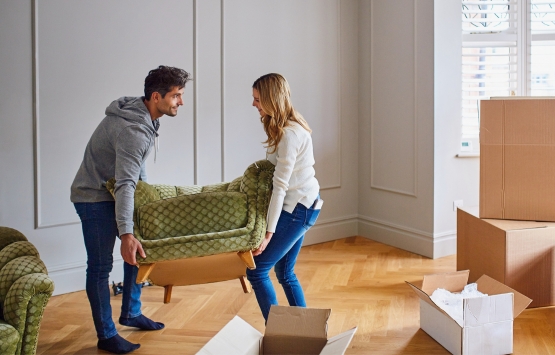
column 362, row 281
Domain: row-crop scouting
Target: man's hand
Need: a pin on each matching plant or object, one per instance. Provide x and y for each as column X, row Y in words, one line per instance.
column 130, row 246
column 264, row 244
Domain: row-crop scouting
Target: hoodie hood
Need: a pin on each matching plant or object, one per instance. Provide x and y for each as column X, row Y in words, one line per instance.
column 133, row 109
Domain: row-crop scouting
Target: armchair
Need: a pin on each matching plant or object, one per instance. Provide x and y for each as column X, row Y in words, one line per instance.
column 193, row 234
column 25, row 288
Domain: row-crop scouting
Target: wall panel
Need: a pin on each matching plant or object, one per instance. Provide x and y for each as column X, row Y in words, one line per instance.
column 299, row 40
column 396, row 123
column 85, row 61
column 393, row 98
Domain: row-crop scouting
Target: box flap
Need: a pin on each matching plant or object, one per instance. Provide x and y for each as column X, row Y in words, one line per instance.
column 421, row 294
column 236, row 338
column 338, row 344
column 509, row 225
column 493, row 287
column 451, row 281
column 298, row 322
column 491, row 309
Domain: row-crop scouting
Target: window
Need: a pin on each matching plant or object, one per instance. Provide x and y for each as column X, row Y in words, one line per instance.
column 508, row 49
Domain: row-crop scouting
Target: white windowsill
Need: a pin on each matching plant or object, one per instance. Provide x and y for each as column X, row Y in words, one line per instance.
column 468, row 155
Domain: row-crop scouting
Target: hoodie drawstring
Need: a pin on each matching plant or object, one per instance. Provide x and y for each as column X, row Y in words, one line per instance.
column 156, row 146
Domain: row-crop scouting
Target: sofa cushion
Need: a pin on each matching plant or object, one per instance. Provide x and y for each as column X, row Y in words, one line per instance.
column 216, row 187
column 188, row 190
column 165, row 191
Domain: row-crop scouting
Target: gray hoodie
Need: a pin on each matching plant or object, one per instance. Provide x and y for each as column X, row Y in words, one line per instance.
column 118, row 148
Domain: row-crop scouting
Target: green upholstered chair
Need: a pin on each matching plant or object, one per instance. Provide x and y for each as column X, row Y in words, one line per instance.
column 176, row 224
column 25, row 288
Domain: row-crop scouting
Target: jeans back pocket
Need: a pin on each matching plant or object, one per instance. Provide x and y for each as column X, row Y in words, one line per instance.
column 311, row 217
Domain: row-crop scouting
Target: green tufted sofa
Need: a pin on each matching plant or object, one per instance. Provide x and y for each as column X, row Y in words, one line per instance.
column 25, row 288
column 182, row 222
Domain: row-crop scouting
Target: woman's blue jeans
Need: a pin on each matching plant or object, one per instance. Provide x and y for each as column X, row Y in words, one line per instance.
column 98, row 221
column 282, row 252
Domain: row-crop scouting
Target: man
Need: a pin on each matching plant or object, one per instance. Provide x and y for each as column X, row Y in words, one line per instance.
column 118, row 148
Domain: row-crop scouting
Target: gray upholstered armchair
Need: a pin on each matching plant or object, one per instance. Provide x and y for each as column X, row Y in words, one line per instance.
column 25, row 288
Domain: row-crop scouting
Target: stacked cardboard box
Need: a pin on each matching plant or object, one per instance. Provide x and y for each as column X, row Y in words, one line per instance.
column 517, row 159
column 517, row 189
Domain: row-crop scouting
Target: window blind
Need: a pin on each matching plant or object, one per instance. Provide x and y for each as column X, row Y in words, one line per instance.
column 489, row 56
column 542, row 48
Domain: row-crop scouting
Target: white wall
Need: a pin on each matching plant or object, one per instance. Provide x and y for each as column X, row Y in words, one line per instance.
column 378, row 81
column 88, row 54
column 454, row 178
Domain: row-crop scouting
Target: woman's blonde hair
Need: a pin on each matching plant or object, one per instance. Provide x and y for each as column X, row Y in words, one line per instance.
column 274, row 94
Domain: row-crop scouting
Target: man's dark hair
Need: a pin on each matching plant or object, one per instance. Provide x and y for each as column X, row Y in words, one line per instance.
column 163, row 79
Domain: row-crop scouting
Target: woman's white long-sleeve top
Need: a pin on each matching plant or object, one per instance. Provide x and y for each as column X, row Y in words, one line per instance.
column 294, row 177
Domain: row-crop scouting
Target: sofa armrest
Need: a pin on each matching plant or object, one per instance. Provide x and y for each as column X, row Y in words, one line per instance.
column 24, row 306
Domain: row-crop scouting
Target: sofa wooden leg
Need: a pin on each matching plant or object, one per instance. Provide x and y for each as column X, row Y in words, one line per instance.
column 144, row 271
column 247, row 288
column 167, row 293
column 247, row 258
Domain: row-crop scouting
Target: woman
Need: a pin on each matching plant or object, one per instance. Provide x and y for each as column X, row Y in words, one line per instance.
column 295, row 203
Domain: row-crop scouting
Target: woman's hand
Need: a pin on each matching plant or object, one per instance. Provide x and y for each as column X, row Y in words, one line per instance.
column 130, row 246
column 264, row 244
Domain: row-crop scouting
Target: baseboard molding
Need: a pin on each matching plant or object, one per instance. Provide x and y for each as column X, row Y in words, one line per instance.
column 400, row 237
column 419, row 242
column 71, row 277
column 332, row 229
column 445, row 244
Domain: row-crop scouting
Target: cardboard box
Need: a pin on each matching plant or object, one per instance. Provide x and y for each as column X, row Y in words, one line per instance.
column 487, row 325
column 520, row 254
column 290, row 330
column 517, row 159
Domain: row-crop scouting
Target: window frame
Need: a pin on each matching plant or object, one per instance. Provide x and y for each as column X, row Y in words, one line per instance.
column 523, row 36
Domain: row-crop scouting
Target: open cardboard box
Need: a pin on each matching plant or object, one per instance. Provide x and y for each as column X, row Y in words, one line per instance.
column 487, row 326
column 290, row 330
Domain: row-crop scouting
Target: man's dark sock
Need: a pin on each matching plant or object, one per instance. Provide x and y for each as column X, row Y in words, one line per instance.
column 141, row 322
column 117, row 345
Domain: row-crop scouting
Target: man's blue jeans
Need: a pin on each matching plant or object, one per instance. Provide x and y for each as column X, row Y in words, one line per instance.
column 98, row 221
column 282, row 252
